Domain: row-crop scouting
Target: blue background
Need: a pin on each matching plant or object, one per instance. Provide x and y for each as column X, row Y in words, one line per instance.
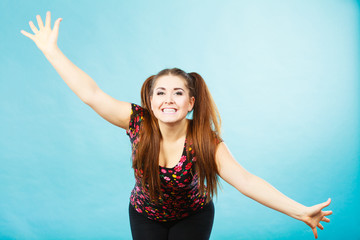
column 285, row 77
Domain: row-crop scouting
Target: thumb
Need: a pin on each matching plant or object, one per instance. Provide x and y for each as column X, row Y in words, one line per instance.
column 325, row 204
column 56, row 29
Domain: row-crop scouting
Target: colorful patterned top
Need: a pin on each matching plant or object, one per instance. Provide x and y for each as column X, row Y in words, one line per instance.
column 181, row 196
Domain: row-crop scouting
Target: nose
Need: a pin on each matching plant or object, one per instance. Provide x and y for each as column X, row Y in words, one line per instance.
column 169, row 99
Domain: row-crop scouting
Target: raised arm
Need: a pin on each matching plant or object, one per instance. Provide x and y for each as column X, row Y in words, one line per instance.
column 115, row 111
column 261, row 191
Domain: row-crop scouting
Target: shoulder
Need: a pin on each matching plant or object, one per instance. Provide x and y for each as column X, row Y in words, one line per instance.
column 136, row 109
column 221, row 147
column 223, row 155
column 136, row 118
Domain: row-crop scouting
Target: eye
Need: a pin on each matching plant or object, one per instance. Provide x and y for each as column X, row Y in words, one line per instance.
column 179, row 93
column 160, row 93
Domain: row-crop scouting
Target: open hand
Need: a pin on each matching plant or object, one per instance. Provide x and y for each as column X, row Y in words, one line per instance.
column 44, row 38
column 314, row 215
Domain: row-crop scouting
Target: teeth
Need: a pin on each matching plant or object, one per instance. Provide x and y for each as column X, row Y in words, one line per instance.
column 169, row 110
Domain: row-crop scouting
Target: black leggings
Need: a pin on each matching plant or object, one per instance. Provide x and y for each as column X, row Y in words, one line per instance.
column 197, row 226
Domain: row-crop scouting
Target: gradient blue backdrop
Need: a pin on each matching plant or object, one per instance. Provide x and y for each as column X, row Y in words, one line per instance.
column 284, row 74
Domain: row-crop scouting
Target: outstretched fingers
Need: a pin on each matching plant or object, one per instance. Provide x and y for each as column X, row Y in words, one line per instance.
column 325, row 204
column 327, row 213
column 315, row 232
column 33, row 28
column 48, row 19
column 320, row 226
column 316, row 215
column 56, row 25
column 44, row 37
column 40, row 22
column 325, row 219
column 29, row 35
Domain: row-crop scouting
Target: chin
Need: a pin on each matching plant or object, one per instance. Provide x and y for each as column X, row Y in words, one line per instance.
column 170, row 119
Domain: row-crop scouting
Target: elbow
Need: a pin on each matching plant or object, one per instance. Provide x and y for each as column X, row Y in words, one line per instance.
column 241, row 181
column 246, row 185
column 89, row 97
column 86, row 101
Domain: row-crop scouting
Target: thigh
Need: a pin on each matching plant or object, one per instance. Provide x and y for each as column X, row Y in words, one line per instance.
column 144, row 228
column 197, row 226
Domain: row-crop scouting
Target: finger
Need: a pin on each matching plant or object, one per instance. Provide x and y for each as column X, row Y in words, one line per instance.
column 327, row 213
column 27, row 34
column 327, row 203
column 33, row 28
column 40, row 22
column 56, row 26
column 325, row 219
column 48, row 19
column 323, row 205
column 320, row 226
column 315, row 232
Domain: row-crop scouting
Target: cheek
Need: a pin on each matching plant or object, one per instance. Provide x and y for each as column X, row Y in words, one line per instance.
column 185, row 103
column 154, row 103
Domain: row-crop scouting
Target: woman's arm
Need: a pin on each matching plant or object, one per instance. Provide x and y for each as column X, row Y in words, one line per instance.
column 114, row 111
column 261, row 191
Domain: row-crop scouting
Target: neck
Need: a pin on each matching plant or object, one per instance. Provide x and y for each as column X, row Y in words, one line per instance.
column 172, row 132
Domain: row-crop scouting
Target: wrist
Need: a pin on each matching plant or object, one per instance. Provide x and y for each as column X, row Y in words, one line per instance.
column 301, row 213
column 51, row 52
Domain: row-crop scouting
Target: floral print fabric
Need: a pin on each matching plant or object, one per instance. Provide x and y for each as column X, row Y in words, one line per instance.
column 179, row 185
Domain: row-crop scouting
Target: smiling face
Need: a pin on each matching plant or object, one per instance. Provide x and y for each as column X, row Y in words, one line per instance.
column 170, row 100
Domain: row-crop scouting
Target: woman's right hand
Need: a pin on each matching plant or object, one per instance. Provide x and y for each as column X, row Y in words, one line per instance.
column 44, row 38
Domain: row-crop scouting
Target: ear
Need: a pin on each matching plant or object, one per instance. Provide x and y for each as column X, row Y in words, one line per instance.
column 191, row 103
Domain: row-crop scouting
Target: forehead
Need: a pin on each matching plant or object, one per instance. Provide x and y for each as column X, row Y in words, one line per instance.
column 169, row 81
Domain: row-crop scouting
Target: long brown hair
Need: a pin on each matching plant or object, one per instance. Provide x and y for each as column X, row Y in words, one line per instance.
column 203, row 131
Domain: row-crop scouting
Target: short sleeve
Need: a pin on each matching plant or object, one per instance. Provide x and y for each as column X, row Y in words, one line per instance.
column 217, row 138
column 136, row 118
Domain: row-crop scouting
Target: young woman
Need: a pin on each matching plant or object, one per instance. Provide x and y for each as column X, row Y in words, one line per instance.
column 176, row 161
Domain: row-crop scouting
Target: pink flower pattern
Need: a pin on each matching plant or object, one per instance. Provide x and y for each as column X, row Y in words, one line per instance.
column 179, row 185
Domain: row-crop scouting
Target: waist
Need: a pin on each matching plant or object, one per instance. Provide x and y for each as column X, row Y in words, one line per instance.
column 170, row 206
column 206, row 208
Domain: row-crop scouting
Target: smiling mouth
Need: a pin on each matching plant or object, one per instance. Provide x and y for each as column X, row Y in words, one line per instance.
column 169, row 110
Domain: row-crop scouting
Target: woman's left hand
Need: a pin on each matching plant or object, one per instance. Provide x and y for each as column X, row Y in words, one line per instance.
column 314, row 215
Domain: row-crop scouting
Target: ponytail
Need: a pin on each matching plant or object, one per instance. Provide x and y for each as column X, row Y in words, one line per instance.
column 205, row 131
column 146, row 160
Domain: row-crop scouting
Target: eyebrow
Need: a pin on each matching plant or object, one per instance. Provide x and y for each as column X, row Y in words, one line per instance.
column 162, row 88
